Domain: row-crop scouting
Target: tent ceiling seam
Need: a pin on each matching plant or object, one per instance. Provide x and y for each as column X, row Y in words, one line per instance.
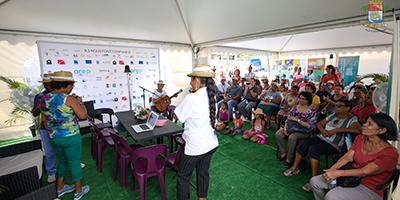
column 287, row 42
column 86, row 37
column 4, row 3
column 184, row 23
column 337, row 48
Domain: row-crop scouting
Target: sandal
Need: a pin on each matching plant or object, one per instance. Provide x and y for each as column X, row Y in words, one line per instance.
column 290, row 173
column 307, row 187
column 288, row 165
column 280, row 158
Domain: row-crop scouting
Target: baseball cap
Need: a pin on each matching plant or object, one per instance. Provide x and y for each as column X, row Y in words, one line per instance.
column 234, row 78
column 306, row 78
column 327, row 85
column 238, row 112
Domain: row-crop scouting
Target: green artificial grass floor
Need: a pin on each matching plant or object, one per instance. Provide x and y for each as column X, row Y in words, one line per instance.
column 240, row 169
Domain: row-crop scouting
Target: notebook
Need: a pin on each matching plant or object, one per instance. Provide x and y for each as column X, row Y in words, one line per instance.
column 161, row 122
column 149, row 125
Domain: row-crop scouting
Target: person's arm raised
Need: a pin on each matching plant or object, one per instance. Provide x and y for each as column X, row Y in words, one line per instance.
column 77, row 106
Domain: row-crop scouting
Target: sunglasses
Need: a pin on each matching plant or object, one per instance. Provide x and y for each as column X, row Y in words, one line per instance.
column 338, row 105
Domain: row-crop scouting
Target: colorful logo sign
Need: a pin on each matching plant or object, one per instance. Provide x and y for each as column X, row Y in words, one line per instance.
column 85, row 71
column 375, row 13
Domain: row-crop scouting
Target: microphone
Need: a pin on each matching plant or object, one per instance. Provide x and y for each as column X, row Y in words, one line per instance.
column 74, row 95
column 142, row 87
column 127, row 69
column 40, row 95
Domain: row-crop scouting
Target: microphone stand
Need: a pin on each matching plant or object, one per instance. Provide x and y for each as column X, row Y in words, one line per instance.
column 144, row 98
column 128, row 73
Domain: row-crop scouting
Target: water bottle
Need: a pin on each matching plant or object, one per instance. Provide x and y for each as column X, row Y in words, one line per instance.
column 332, row 184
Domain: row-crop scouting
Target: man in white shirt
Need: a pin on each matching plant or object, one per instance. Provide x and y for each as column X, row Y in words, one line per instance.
column 157, row 96
column 222, row 88
column 249, row 75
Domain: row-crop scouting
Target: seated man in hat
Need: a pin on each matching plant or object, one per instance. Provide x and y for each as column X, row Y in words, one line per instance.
column 232, row 96
column 250, row 98
column 158, row 95
column 222, row 88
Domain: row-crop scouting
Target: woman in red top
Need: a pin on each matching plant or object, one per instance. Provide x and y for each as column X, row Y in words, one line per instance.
column 374, row 159
column 330, row 75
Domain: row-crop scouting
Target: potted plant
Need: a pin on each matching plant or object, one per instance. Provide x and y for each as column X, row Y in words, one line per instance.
column 141, row 113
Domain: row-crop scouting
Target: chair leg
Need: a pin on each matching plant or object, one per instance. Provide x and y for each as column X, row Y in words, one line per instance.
column 100, row 158
column 116, row 166
column 161, row 179
column 124, row 164
column 143, row 184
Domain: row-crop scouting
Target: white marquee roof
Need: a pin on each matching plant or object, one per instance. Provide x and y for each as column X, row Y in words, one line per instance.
column 208, row 22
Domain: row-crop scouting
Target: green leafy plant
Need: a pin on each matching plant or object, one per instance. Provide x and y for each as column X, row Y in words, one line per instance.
column 380, row 76
column 17, row 114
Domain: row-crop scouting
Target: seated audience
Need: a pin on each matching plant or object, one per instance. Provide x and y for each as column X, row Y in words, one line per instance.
column 316, row 101
column 255, row 134
column 282, row 89
column 330, row 141
column 338, row 95
column 330, row 76
column 237, row 126
column 222, row 88
column 270, row 102
column 290, row 100
column 364, row 108
column 306, row 116
column 250, row 98
column 232, row 96
column 298, row 77
column 223, row 117
column 258, row 84
column 311, row 75
column 359, row 95
column 304, row 83
column 374, row 158
column 324, row 92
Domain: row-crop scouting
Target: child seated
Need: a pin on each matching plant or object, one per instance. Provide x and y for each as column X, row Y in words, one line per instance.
column 237, row 126
column 255, row 134
column 223, row 118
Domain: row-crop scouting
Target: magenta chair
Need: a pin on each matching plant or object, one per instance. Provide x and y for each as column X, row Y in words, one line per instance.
column 146, row 163
column 95, row 137
column 125, row 154
column 173, row 158
column 105, row 142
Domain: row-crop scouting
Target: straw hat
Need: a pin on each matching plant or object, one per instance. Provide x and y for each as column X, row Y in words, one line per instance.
column 258, row 111
column 46, row 78
column 160, row 82
column 202, row 70
column 275, row 83
column 223, row 78
column 62, row 76
column 235, row 78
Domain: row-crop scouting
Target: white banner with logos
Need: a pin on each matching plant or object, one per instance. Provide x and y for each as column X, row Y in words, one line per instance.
column 99, row 71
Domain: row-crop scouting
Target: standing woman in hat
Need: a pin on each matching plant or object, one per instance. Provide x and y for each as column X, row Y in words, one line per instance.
column 48, row 149
column 60, row 113
column 198, row 112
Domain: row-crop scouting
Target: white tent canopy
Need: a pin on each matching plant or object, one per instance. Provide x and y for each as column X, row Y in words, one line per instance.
column 198, row 23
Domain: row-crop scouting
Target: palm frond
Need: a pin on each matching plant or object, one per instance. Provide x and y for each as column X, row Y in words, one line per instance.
column 14, row 119
column 12, row 84
column 380, row 76
column 19, row 111
column 6, row 99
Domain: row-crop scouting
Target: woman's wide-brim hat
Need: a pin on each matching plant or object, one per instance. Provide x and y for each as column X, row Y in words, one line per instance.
column 258, row 111
column 46, row 78
column 202, row 70
column 62, row 76
column 275, row 83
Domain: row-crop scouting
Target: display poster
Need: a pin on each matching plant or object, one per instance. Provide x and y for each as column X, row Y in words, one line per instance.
column 348, row 66
column 286, row 66
column 317, row 65
column 256, row 64
column 99, row 71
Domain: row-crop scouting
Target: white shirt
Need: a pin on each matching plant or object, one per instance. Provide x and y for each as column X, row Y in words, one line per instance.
column 157, row 96
column 223, row 88
column 194, row 111
column 311, row 77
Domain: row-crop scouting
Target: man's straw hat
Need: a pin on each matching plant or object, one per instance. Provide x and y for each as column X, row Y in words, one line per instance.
column 62, row 76
column 46, row 78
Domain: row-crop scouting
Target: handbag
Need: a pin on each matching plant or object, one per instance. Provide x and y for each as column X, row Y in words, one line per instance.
column 296, row 127
column 349, row 181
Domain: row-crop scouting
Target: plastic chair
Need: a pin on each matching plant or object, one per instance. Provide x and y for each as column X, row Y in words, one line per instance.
column 150, row 165
column 104, row 143
column 97, row 113
column 173, row 158
column 95, row 137
column 385, row 186
column 125, row 154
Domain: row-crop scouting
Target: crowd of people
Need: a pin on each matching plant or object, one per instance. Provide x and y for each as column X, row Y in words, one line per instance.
column 318, row 116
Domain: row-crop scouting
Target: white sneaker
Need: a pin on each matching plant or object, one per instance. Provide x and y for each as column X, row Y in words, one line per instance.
column 83, row 165
column 51, row 178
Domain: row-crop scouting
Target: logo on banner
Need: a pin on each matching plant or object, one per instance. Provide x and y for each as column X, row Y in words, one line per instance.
column 75, row 55
column 131, row 56
column 140, row 62
column 61, row 62
column 114, row 62
column 106, row 62
column 104, row 70
column 151, row 70
column 375, row 14
column 124, row 98
column 105, row 55
column 137, row 70
column 98, row 78
column 57, row 54
column 131, row 62
column 98, row 62
column 88, row 62
column 107, row 77
column 48, row 62
column 85, row 71
column 153, row 56
column 121, row 62
column 76, row 62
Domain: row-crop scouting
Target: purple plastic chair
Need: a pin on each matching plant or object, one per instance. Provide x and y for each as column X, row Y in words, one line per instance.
column 146, row 163
column 173, row 158
column 95, row 137
column 105, row 142
column 125, row 154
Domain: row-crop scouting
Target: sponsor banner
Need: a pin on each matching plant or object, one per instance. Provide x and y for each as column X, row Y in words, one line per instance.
column 99, row 71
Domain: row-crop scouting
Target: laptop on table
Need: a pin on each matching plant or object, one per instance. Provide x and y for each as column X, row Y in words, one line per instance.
column 149, row 125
